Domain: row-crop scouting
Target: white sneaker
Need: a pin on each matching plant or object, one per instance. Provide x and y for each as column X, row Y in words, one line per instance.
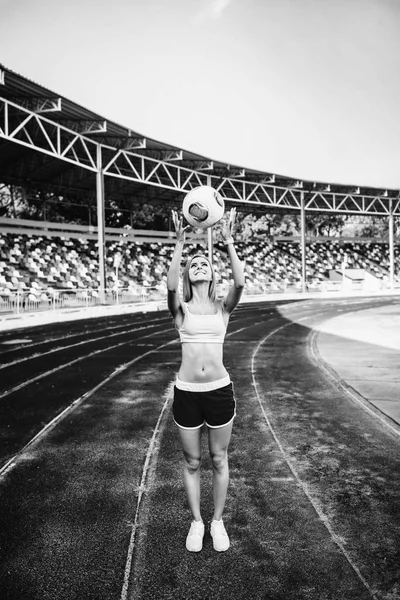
column 219, row 536
column 194, row 540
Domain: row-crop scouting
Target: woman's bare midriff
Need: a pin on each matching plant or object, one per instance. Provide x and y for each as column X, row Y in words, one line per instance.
column 202, row 362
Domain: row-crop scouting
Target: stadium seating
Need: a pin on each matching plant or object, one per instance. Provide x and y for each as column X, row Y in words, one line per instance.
column 39, row 271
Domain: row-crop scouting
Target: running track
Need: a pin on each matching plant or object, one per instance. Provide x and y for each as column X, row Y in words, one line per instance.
column 91, row 497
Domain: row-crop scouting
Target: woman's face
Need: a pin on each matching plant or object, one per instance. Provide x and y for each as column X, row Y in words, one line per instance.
column 200, row 269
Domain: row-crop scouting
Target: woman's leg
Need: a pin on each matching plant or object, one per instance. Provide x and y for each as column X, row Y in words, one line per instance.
column 218, row 441
column 191, row 446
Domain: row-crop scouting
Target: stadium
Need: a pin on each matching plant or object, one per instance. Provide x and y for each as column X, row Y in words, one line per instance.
column 89, row 480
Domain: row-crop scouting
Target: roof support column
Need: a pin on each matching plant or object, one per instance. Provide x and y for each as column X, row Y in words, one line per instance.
column 391, row 244
column 210, row 244
column 303, row 244
column 210, row 241
column 101, row 223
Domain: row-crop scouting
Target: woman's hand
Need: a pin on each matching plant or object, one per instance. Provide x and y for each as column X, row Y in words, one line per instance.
column 179, row 228
column 228, row 227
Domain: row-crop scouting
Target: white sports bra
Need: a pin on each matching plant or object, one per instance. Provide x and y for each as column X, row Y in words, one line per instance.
column 202, row 328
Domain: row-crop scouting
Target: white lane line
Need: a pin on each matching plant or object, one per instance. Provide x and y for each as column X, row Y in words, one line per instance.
column 12, row 342
column 150, row 462
column 83, row 342
column 330, row 372
column 68, row 364
column 304, row 486
column 11, row 462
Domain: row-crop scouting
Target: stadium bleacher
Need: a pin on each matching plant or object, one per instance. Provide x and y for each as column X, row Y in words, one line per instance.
column 38, row 271
column 323, row 257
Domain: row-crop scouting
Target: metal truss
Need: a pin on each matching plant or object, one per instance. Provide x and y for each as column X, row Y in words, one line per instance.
column 127, row 165
column 68, row 141
column 39, row 105
column 84, row 126
column 151, row 171
column 30, row 129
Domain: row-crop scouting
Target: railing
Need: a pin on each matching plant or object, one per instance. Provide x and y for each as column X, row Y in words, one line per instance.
column 26, row 301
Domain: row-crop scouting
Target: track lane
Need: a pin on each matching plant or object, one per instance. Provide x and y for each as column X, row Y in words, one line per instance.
column 25, row 412
column 26, row 409
column 87, row 440
column 54, row 335
column 268, row 556
column 296, row 477
column 69, row 500
column 13, row 375
column 26, row 352
column 38, row 334
column 40, row 349
column 346, row 459
column 52, row 454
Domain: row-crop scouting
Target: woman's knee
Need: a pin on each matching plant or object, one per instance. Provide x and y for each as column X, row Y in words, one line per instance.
column 191, row 463
column 219, row 460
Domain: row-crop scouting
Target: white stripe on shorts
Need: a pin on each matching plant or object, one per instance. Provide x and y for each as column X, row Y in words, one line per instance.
column 207, row 386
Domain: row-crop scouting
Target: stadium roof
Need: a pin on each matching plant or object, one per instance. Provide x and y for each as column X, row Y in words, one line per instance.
column 40, row 132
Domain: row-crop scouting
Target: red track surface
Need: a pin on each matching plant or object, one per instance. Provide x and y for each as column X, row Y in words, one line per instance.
column 94, row 507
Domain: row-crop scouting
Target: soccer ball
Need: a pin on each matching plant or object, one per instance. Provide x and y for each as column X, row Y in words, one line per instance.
column 203, row 207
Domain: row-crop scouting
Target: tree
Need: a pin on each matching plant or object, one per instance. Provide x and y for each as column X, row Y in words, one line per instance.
column 330, row 225
column 250, row 226
column 16, row 204
column 365, row 226
column 374, row 227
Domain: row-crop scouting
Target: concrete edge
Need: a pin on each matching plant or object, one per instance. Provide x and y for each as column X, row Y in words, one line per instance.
column 354, row 394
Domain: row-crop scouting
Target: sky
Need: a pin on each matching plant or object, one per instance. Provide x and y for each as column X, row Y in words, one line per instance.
column 309, row 89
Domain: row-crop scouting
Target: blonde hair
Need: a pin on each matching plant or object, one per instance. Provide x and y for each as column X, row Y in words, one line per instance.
column 187, row 286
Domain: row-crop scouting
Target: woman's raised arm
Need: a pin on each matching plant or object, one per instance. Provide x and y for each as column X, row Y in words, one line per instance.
column 174, row 268
column 235, row 291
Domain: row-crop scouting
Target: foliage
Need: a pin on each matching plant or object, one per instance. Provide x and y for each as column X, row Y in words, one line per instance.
column 15, row 204
column 250, row 226
column 137, row 215
column 362, row 226
column 330, row 225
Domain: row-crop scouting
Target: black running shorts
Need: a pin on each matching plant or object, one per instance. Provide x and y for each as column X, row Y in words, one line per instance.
column 216, row 408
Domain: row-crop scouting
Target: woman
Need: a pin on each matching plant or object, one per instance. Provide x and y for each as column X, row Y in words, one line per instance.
column 203, row 392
